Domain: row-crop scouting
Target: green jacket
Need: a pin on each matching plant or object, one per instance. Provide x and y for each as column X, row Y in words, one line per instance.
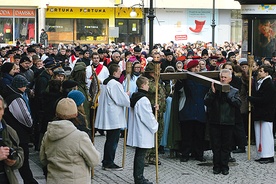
column 11, row 139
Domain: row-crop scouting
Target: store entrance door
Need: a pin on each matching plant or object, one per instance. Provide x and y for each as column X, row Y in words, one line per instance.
column 130, row 30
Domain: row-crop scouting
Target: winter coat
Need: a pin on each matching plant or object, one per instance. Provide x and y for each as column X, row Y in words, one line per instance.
column 263, row 101
column 221, row 106
column 194, row 105
column 68, row 153
column 112, row 100
column 17, row 114
column 11, row 139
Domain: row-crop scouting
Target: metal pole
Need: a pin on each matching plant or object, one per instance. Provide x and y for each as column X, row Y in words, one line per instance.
column 151, row 17
column 213, row 25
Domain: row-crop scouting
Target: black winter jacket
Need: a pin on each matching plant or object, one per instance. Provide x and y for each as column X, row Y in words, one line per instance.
column 221, row 106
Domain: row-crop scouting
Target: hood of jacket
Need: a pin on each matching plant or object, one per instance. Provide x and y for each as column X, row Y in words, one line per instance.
column 137, row 96
column 59, row 129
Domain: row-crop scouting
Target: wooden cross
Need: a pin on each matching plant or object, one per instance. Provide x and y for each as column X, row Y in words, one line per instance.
column 205, row 78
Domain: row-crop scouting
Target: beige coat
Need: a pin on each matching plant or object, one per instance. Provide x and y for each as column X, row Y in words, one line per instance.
column 68, row 153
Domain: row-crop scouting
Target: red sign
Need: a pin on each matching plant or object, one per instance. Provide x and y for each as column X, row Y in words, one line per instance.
column 6, row 12
column 24, row 12
column 180, row 37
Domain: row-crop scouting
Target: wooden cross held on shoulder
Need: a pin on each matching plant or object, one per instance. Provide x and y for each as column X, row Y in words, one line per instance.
column 205, row 78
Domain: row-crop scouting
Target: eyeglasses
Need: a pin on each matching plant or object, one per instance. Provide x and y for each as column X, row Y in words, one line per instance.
column 117, row 56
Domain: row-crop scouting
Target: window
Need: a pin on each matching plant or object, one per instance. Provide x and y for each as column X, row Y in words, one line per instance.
column 92, row 29
column 6, row 32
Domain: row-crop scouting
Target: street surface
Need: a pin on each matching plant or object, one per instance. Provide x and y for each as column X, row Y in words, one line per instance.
column 171, row 171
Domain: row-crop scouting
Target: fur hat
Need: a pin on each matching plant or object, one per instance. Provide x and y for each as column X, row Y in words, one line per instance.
column 168, row 52
column 19, row 81
column 7, row 67
column 192, row 63
column 77, row 96
column 66, row 109
column 137, row 49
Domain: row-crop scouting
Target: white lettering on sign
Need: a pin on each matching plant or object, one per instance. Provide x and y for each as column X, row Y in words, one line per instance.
column 5, row 12
column 24, row 13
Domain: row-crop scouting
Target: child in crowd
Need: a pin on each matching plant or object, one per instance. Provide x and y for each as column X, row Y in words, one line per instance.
column 141, row 129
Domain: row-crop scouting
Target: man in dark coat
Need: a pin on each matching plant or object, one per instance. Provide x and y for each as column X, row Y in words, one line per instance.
column 18, row 116
column 221, row 108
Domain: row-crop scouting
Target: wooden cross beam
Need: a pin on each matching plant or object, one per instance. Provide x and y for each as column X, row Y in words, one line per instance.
column 205, row 78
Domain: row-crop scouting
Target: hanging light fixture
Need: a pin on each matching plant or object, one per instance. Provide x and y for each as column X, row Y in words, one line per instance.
column 133, row 13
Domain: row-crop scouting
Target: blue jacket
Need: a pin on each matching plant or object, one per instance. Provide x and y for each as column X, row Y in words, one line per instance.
column 194, row 105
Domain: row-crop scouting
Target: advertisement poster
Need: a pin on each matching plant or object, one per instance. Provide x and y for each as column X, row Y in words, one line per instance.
column 264, row 37
column 199, row 24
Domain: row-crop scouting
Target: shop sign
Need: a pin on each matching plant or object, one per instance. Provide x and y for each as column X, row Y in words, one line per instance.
column 67, row 12
column 6, row 12
column 24, row 13
column 180, row 37
column 258, row 9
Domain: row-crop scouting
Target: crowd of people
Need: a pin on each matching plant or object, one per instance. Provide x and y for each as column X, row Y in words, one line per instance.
column 57, row 98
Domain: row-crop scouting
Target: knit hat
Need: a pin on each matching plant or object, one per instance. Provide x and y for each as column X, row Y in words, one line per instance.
column 214, row 57
column 79, row 66
column 132, row 59
column 59, row 71
column 19, row 81
column 49, row 62
column 243, row 63
column 190, row 53
column 231, row 54
column 69, row 84
column 7, row 67
column 204, row 52
column 150, row 67
column 192, row 64
column 30, row 49
column 25, row 59
column 66, row 109
column 77, row 96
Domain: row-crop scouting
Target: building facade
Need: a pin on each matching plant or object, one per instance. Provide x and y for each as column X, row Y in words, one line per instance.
column 93, row 21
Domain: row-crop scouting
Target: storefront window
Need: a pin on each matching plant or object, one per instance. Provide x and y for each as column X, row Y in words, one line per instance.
column 60, row 30
column 6, row 32
column 24, row 29
column 59, row 25
column 92, row 30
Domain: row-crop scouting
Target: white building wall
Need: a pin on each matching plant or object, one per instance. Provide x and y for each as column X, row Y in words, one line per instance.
column 223, row 26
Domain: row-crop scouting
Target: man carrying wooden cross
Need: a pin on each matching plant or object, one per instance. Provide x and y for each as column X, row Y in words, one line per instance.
column 221, row 107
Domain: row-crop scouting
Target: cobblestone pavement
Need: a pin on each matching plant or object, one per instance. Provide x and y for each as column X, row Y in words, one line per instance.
column 171, row 171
